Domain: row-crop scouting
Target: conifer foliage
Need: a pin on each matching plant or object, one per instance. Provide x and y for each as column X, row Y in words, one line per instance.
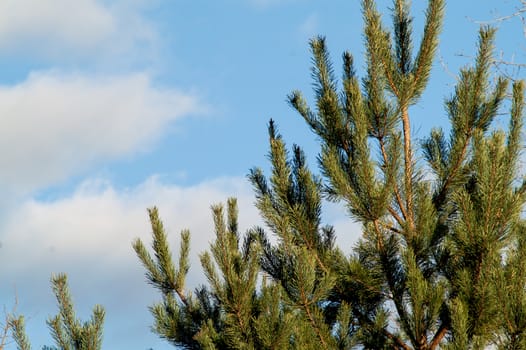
column 68, row 332
column 441, row 260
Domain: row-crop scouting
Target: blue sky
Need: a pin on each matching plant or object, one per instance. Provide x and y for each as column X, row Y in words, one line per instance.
column 110, row 107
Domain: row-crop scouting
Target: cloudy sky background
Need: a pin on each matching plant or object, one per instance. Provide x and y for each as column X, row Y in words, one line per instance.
column 110, row 107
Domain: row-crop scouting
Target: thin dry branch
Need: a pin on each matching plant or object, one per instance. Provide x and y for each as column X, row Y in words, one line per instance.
column 6, row 326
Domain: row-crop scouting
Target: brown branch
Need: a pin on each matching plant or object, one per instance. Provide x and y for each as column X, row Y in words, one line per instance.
column 397, row 340
column 390, row 228
column 408, row 166
column 395, row 215
column 306, row 303
column 439, row 335
column 182, row 296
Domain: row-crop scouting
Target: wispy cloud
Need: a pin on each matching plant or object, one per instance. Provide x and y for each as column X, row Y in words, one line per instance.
column 97, row 223
column 63, row 29
column 309, row 26
column 88, row 235
column 54, row 125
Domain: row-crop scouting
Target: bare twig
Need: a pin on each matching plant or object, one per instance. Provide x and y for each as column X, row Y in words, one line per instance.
column 6, row 326
column 508, row 68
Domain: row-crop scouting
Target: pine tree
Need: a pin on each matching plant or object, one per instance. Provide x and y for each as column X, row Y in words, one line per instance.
column 68, row 332
column 441, row 261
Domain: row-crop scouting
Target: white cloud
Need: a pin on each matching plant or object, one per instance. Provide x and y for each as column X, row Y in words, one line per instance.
column 61, row 28
column 91, row 230
column 97, row 223
column 53, row 125
column 88, row 235
column 309, row 27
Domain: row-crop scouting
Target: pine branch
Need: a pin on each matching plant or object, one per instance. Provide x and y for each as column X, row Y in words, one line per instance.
column 396, row 340
column 18, row 328
column 439, row 336
column 408, row 168
column 428, row 46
